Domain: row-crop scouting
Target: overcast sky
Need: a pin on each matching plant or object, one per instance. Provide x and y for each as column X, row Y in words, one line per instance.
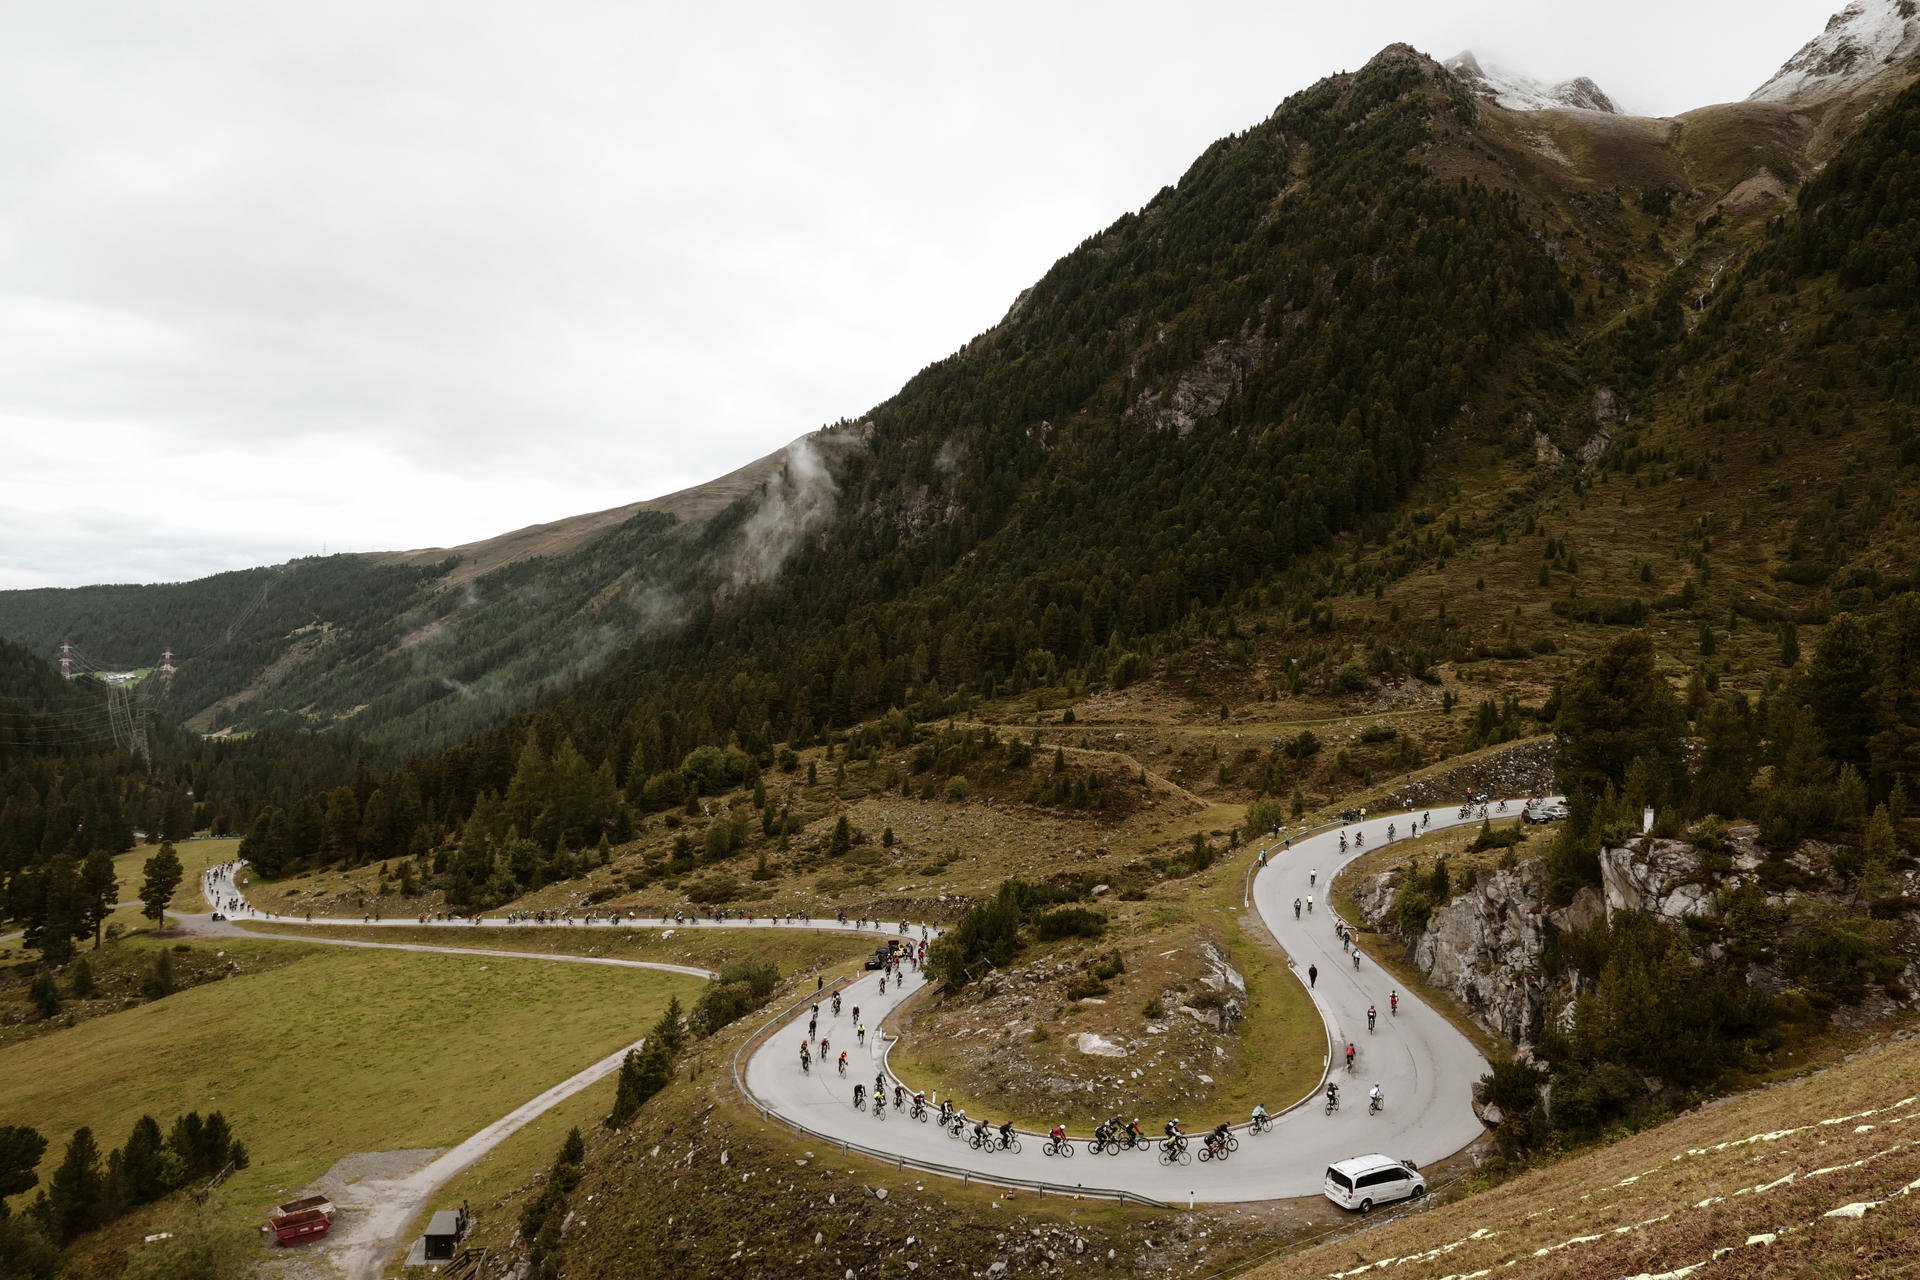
column 360, row 276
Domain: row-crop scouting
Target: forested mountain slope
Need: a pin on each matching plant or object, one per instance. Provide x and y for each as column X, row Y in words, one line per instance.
column 408, row 650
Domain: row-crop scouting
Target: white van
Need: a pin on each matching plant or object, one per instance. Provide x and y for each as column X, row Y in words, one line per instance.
column 1364, row 1181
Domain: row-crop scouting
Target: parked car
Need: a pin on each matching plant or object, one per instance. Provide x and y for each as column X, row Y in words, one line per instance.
column 1545, row 811
column 1364, row 1181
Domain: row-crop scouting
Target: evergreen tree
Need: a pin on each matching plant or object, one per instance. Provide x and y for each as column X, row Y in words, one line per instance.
column 162, row 879
column 76, row 1193
column 101, row 888
column 20, row 1151
column 144, row 1166
column 1895, row 746
column 1614, row 709
column 1840, row 683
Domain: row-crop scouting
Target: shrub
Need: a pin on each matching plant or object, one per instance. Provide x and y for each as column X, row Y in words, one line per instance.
column 1070, row 922
column 718, row 888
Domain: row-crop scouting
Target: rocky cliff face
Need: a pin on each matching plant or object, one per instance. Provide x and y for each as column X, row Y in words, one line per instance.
column 1484, row 948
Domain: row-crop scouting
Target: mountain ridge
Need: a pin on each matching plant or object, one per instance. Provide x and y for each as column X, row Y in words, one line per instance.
column 1521, row 93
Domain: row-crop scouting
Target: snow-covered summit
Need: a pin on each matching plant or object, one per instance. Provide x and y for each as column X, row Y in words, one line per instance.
column 1859, row 41
column 1518, row 93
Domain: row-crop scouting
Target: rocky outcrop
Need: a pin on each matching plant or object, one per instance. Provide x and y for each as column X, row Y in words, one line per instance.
column 1664, row 877
column 1484, row 948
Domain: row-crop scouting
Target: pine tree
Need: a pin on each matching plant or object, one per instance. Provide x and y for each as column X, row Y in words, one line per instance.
column 77, row 1190
column 162, row 878
column 101, row 888
column 20, row 1151
column 143, row 1163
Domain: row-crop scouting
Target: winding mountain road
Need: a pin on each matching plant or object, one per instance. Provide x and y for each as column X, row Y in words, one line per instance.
column 1426, row 1068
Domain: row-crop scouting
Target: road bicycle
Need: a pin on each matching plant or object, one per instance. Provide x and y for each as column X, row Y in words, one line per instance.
column 1333, row 1103
column 880, row 1105
column 1260, row 1124
column 1174, row 1151
column 918, row 1111
column 1215, row 1150
column 1010, row 1142
column 1057, row 1147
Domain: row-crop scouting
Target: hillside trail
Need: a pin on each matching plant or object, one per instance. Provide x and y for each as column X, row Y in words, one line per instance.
column 1425, row 1065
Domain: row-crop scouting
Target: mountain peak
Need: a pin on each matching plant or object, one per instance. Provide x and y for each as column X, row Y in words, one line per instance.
column 1520, row 93
column 1858, row 42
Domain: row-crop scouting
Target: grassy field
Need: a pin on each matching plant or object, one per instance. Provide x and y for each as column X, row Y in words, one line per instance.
column 792, row 953
column 335, row 1053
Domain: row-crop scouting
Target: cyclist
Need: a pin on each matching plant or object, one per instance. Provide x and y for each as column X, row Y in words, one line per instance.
column 1389, row 833
column 859, row 1096
column 879, row 1083
column 1259, row 1114
column 1350, row 1052
column 1372, row 1014
column 1006, row 1134
column 1221, row 1132
column 1343, row 842
column 980, row 1138
column 1356, row 959
column 1313, row 875
column 1374, row 1099
column 824, row 1050
column 946, row 1110
column 899, row 1096
column 1296, row 908
column 1058, row 1133
column 806, row 1058
column 836, row 1004
column 1135, row 1137
column 1175, row 1138
column 883, row 986
column 1333, row 1096
column 860, row 1033
column 813, row 1026
column 1359, row 839
column 1393, row 1003
column 856, row 1013
column 843, row 1062
column 1309, row 904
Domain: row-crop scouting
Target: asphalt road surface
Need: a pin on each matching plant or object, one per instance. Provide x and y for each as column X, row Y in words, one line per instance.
column 1425, row 1067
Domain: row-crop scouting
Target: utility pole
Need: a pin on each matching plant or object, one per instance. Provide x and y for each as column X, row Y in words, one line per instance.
column 166, row 663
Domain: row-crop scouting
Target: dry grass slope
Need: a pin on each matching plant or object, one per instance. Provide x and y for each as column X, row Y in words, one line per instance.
column 1818, row 1176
